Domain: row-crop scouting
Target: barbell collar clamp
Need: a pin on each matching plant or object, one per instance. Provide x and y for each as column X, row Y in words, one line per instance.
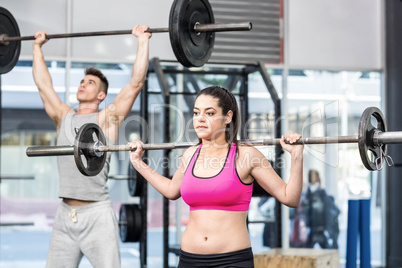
column 94, row 149
column 3, row 40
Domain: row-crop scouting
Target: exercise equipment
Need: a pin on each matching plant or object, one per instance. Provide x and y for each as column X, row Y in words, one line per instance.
column 9, row 52
column 191, row 31
column 89, row 149
column 135, row 181
column 130, row 223
column 88, row 135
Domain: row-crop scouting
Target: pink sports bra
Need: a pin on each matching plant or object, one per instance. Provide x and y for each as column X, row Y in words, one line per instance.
column 224, row 191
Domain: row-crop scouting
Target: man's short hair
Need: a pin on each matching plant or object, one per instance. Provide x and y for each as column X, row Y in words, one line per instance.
column 95, row 72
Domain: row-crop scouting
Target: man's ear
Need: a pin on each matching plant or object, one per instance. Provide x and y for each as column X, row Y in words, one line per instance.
column 101, row 96
column 229, row 116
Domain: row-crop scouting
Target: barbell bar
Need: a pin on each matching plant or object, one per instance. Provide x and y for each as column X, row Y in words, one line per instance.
column 90, row 143
column 191, row 31
column 381, row 138
column 222, row 27
column 99, row 148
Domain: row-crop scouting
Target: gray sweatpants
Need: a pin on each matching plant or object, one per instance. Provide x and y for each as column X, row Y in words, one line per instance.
column 89, row 230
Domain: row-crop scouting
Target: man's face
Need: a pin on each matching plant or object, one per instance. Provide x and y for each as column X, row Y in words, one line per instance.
column 89, row 89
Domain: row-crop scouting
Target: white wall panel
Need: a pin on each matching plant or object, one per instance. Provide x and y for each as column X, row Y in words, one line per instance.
column 107, row 15
column 91, row 16
column 335, row 34
column 35, row 15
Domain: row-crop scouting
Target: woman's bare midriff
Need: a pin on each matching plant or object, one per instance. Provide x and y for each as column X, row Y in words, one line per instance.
column 215, row 231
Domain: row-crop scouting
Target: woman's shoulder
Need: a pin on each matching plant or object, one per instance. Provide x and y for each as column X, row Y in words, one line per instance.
column 249, row 156
column 245, row 149
column 189, row 152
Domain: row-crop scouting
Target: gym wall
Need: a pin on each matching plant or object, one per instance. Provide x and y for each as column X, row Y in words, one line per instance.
column 340, row 35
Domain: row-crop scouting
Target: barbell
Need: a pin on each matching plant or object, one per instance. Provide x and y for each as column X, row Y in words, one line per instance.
column 191, row 31
column 89, row 148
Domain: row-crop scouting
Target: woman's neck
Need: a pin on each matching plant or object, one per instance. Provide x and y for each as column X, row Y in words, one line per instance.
column 214, row 145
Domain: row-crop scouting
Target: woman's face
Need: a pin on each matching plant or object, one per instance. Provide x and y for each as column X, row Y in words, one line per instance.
column 208, row 120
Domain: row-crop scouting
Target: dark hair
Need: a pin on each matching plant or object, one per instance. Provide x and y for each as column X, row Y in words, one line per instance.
column 311, row 173
column 227, row 101
column 95, row 72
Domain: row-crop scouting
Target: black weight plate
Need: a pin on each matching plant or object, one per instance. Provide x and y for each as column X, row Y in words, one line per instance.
column 125, row 217
column 123, row 223
column 130, row 223
column 137, row 227
column 135, row 181
column 9, row 53
column 368, row 150
column 88, row 163
column 192, row 49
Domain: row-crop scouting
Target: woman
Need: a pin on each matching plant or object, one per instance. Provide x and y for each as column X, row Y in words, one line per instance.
column 216, row 178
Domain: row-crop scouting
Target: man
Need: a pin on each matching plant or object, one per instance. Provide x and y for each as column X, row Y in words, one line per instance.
column 85, row 223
